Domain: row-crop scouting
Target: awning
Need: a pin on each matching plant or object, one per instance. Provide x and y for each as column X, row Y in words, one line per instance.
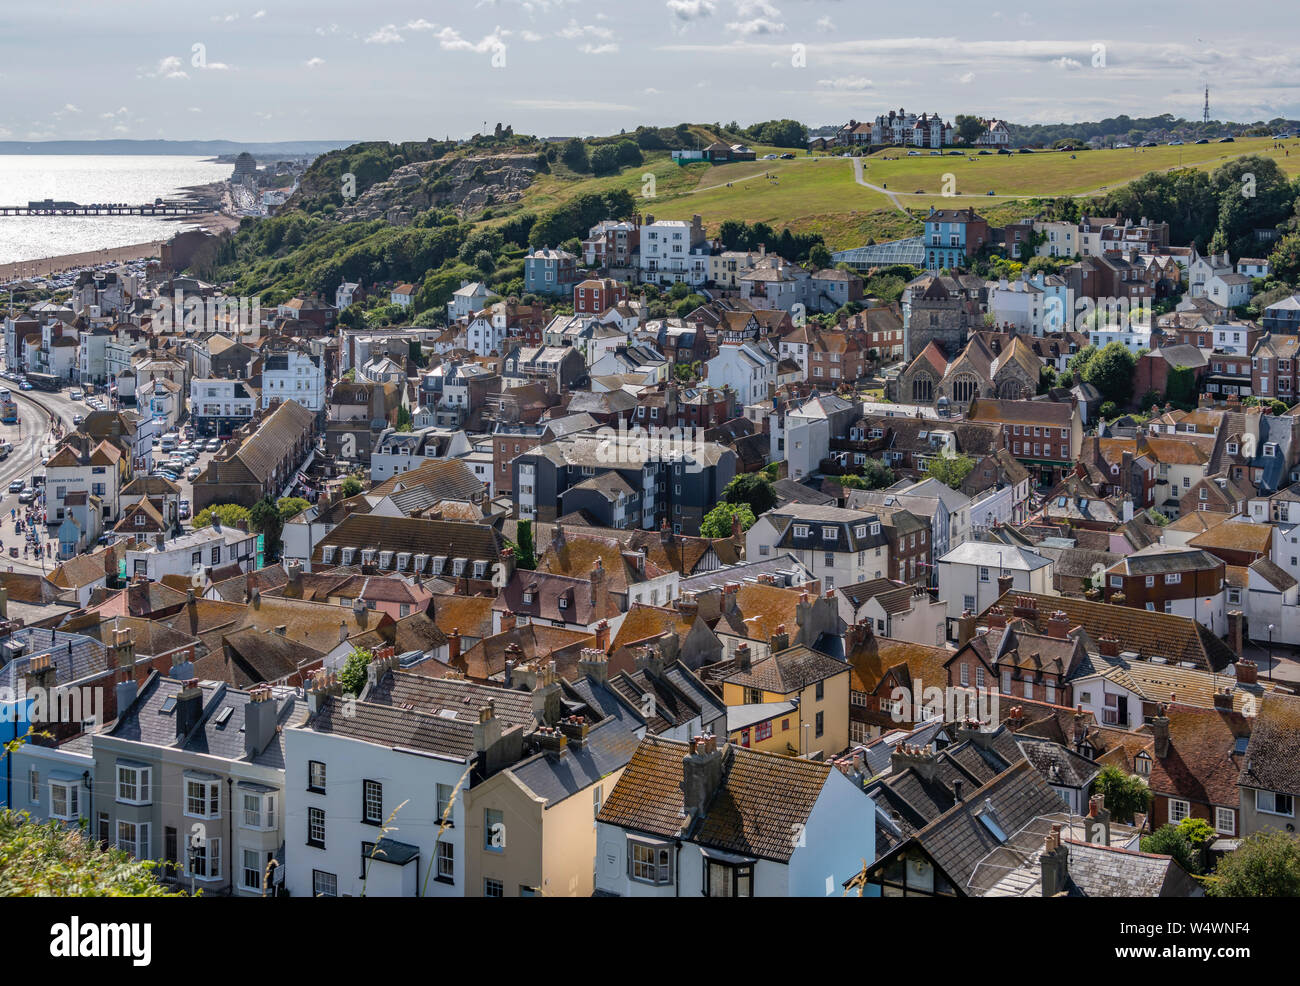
column 392, row 851
column 726, row 857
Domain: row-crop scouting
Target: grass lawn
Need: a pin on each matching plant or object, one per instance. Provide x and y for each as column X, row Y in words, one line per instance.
column 817, row 193
column 1051, row 173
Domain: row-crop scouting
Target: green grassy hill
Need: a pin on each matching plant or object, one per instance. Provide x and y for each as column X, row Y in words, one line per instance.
column 819, row 193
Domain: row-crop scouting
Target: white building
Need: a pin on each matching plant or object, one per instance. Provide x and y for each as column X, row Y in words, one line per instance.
column 673, row 251
column 968, row 574
column 197, row 551
column 832, row 820
column 294, row 373
column 748, row 368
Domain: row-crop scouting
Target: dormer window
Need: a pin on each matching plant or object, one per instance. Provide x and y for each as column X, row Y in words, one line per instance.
column 1232, row 448
column 801, row 530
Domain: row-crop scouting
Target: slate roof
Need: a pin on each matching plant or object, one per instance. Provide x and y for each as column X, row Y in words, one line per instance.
column 451, row 696
column 958, row 840
column 1177, row 638
column 553, row 776
column 761, row 799
column 389, row 727
column 1273, row 754
column 788, row 671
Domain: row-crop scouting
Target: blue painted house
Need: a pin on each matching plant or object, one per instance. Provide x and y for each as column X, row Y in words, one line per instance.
column 951, row 236
column 548, row 271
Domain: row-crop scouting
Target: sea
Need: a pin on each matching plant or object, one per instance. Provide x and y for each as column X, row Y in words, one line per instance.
column 88, row 178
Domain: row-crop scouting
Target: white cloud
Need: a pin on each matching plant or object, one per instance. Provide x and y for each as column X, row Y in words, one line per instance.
column 259, row 15
column 572, row 105
column 605, row 49
column 576, row 30
column 167, row 68
column 450, row 40
column 331, row 29
column 756, row 17
column 531, row 36
column 650, row 91
column 421, row 25
column 825, row 24
column 314, row 62
column 69, row 108
column 848, row 83
column 966, row 78
column 1067, row 64
column 386, row 35
column 691, row 10
column 226, row 19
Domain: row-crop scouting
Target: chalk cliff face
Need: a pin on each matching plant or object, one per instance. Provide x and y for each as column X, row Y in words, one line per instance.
column 468, row 185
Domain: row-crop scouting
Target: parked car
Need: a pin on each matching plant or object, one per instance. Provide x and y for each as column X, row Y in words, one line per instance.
column 787, row 156
column 214, row 444
column 1203, row 140
column 769, row 157
column 192, row 473
column 1227, row 140
column 25, row 386
column 76, row 395
column 28, row 495
column 184, row 509
column 16, row 486
column 78, row 419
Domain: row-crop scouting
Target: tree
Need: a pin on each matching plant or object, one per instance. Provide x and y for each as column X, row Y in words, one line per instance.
column 604, row 160
column 717, row 522
column 1111, row 370
column 819, row 257
column 629, row 155
column 575, row 155
column 1267, row 864
column 230, row 514
column 875, row 475
column 291, row 506
column 45, row 859
column 351, row 486
column 1178, row 842
column 1126, row 794
column 949, row 469
column 525, row 547
column 751, row 488
column 353, row 675
column 403, row 418
column 1285, row 258
column 265, row 519
column 969, row 128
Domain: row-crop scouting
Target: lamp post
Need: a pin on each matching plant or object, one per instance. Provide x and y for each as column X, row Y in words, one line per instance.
column 1270, row 652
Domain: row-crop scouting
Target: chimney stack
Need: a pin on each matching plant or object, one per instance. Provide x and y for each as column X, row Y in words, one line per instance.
column 779, row 640
column 453, row 645
column 1098, row 821
column 594, row 665
column 1004, row 584
column 260, row 717
column 1058, row 625
column 1055, row 862
column 189, row 707
column 1160, row 730
column 1223, row 700
column 1247, row 672
column 742, row 657
column 965, row 628
column 575, row 729
column 702, row 772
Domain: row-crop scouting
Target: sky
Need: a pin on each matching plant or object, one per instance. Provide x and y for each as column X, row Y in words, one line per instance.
column 344, row 69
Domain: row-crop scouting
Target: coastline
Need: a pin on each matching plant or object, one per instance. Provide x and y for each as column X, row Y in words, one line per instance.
column 91, row 258
column 213, row 222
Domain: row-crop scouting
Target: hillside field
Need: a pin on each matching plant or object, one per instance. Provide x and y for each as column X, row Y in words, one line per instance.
column 818, row 193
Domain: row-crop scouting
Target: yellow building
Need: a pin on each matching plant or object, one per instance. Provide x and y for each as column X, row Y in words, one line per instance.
column 530, row 830
column 814, row 687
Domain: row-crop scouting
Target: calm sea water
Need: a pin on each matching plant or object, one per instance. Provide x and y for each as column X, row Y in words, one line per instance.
column 92, row 178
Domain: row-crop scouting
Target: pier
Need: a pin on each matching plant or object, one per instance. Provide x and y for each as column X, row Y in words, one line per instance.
column 49, row 207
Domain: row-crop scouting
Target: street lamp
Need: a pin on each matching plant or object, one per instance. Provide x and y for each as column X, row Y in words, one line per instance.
column 1270, row 652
